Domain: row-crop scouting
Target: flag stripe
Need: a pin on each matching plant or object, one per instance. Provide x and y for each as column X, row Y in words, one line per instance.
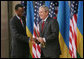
column 73, row 26
column 36, row 29
column 33, row 51
column 75, row 29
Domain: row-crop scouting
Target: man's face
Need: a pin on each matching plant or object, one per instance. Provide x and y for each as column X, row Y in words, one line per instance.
column 42, row 13
column 20, row 11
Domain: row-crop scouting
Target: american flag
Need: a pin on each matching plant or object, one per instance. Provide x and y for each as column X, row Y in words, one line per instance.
column 53, row 10
column 73, row 29
column 36, row 51
column 24, row 4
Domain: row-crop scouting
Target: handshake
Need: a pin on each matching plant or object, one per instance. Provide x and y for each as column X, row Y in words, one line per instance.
column 38, row 41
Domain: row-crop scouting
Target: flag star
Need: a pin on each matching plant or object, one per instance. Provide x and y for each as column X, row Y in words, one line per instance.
column 34, row 13
column 36, row 2
column 35, row 6
column 71, row 13
column 75, row 7
column 51, row 15
column 72, row 5
column 35, row 10
column 73, row 2
column 34, row 17
column 49, row 9
column 51, row 3
column 40, row 4
column 50, row 6
column 54, row 12
column 22, row 1
column 37, row 18
column 37, row 15
column 76, row 4
column 23, row 7
column 74, row 11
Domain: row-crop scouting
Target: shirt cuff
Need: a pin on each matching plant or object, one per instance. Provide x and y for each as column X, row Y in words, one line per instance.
column 44, row 40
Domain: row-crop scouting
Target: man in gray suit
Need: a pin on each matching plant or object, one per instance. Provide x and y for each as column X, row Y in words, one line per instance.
column 49, row 31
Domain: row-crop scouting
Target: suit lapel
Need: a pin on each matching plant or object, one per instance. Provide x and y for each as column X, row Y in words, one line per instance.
column 20, row 23
column 45, row 25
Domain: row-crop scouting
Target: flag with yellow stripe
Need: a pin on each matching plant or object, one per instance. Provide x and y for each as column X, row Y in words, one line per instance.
column 80, row 30
column 29, row 23
column 64, row 25
column 63, row 20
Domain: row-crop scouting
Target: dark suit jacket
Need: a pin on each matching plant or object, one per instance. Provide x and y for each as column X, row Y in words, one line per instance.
column 50, row 33
column 19, row 41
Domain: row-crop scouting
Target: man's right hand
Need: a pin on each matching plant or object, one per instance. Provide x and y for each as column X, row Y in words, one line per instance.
column 36, row 41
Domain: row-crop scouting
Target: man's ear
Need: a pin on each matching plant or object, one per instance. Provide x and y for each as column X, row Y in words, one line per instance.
column 47, row 12
column 16, row 11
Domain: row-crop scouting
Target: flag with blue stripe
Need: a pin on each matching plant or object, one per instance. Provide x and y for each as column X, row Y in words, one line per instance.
column 29, row 23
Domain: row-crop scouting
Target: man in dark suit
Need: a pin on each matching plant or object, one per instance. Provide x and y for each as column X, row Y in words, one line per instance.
column 19, row 41
column 49, row 31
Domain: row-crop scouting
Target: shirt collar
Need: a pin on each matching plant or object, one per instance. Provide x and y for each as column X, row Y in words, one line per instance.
column 17, row 16
column 45, row 19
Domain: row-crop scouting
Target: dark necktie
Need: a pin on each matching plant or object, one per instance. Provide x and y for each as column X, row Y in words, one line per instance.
column 42, row 25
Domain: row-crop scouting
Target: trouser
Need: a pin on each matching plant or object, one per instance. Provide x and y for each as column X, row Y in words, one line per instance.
column 43, row 56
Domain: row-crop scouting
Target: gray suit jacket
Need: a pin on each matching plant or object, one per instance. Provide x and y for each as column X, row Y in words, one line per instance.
column 50, row 33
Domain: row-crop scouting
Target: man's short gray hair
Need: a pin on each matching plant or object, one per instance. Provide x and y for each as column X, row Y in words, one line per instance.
column 45, row 7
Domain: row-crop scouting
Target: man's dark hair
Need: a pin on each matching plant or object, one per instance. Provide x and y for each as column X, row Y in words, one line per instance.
column 17, row 6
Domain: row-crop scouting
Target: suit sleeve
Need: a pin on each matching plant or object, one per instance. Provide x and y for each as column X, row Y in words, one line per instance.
column 54, row 29
column 16, row 34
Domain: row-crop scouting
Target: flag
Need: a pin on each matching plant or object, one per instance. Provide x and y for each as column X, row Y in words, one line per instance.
column 29, row 23
column 36, row 51
column 80, row 30
column 73, row 29
column 24, row 4
column 63, row 19
column 53, row 8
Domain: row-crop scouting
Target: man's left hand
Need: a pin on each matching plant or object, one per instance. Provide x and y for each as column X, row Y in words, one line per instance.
column 40, row 39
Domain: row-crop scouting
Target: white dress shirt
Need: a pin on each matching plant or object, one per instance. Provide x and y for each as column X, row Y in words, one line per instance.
column 44, row 21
